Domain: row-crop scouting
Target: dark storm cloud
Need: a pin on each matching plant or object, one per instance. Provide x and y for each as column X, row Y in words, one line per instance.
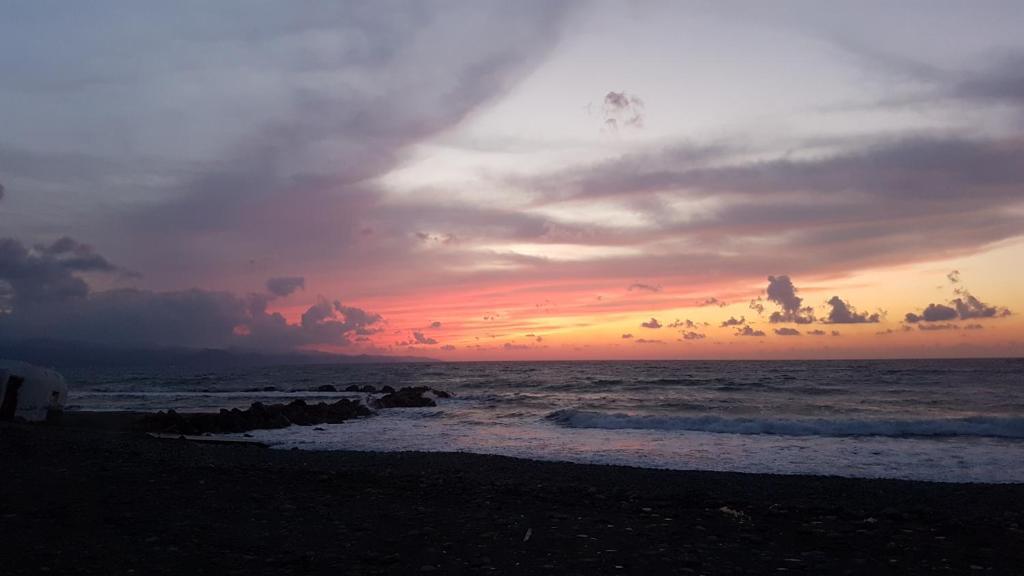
column 782, row 292
column 36, row 277
column 843, row 313
column 75, row 256
column 285, row 285
column 48, row 298
column 47, row 272
column 191, row 318
column 652, row 323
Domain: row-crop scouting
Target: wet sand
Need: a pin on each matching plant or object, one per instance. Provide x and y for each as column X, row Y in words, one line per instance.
column 88, row 497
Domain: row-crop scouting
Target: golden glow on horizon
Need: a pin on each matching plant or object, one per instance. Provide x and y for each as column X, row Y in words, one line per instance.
column 577, row 319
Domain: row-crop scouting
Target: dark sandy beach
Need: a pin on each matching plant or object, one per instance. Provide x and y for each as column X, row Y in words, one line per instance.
column 86, row 497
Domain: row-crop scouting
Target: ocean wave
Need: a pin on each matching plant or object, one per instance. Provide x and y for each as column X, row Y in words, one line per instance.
column 671, row 381
column 982, row 426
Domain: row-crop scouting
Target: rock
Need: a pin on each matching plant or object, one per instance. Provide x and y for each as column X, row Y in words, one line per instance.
column 352, row 388
column 368, row 389
column 408, row 397
column 278, row 420
column 326, row 388
column 257, row 416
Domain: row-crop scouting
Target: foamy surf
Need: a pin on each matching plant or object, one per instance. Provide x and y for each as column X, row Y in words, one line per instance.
column 959, row 420
column 981, row 426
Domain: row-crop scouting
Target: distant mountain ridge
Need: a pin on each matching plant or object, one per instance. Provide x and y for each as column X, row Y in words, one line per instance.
column 69, row 354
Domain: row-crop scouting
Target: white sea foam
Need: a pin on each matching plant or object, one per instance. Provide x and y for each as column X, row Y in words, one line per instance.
column 950, row 459
column 990, row 426
column 956, row 420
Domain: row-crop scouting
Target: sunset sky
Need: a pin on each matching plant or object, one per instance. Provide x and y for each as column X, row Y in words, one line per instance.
column 516, row 180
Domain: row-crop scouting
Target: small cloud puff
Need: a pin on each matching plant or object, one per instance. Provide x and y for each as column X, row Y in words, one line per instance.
column 843, row 313
column 637, row 286
column 421, row 339
column 285, row 285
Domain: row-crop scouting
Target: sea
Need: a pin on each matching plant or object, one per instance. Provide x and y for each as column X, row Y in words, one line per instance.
column 934, row 420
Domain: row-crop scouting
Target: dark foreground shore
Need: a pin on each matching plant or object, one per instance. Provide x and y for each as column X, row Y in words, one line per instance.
column 87, row 498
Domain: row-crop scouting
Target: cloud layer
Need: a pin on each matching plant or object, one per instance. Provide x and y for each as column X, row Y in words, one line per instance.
column 48, row 298
column 390, row 151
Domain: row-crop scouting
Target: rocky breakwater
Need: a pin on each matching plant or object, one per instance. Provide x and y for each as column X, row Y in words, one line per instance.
column 410, row 397
column 261, row 416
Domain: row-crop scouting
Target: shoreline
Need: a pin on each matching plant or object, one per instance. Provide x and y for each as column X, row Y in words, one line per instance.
column 111, row 501
column 126, row 421
column 121, row 421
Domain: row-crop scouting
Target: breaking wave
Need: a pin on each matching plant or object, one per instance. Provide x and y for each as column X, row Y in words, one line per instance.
column 983, row 426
